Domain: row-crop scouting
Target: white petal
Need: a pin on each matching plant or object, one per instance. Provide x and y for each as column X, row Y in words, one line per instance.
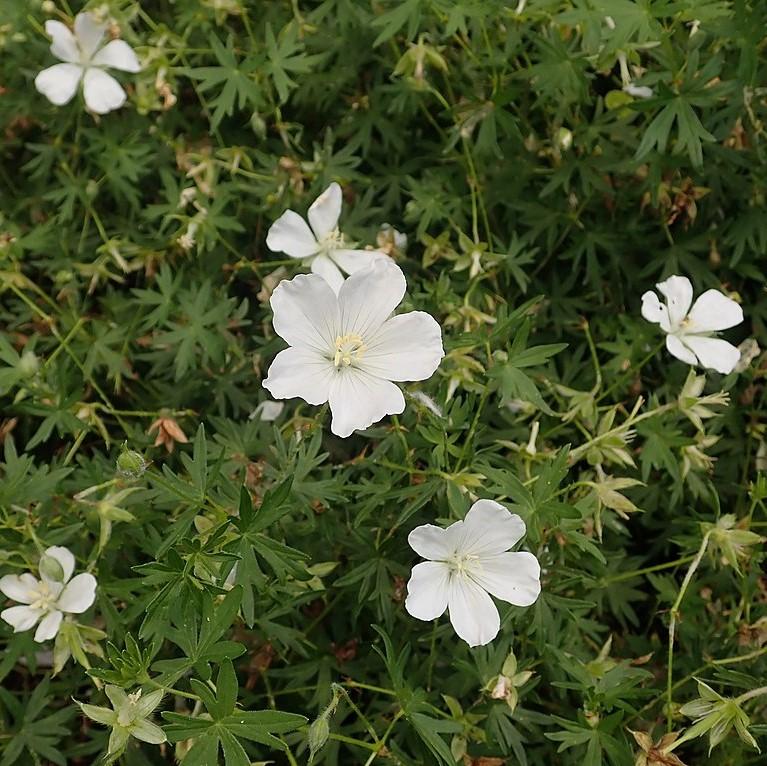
column 512, row 577
column 58, row 83
column 64, row 557
column 290, row 234
column 406, row 347
column 146, row 731
column 357, row 400
column 63, row 43
column 369, row 297
column 678, row 293
column 148, row 702
column 267, row 412
column 326, row 210
column 679, row 350
column 654, row 311
column 638, row 91
column 301, row 372
column 49, row 626
column 323, row 266
column 713, row 311
column 430, row 542
column 21, row 588
column 118, row 55
column 306, row 313
column 713, row 353
column 427, row 590
column 352, row 261
column 102, row 92
column 489, row 528
column 89, row 33
column 78, row 595
column 472, row 612
column 21, row 618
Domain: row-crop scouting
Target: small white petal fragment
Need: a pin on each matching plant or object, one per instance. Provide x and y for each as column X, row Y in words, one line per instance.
column 689, row 331
column 473, row 556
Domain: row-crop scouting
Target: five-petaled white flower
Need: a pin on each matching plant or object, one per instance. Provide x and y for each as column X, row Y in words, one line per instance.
column 47, row 599
column 347, row 349
column 85, row 59
column 467, row 561
column 322, row 246
column 688, row 331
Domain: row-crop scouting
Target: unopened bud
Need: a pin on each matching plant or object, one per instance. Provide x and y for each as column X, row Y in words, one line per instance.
column 29, row 364
column 130, row 463
column 319, row 732
column 51, row 569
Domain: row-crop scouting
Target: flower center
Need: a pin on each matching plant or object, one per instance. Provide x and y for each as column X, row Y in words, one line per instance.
column 349, row 349
column 461, row 563
column 331, row 241
column 44, row 597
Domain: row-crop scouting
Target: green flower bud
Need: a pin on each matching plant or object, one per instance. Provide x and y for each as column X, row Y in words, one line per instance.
column 130, row 463
column 29, row 364
column 51, row 569
column 319, row 732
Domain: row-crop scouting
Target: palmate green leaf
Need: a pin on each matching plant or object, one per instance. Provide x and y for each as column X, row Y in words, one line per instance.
column 39, row 736
column 285, row 55
column 231, row 80
column 690, row 131
column 407, row 12
column 227, row 725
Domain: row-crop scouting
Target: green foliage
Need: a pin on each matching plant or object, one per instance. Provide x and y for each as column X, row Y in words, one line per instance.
column 248, row 567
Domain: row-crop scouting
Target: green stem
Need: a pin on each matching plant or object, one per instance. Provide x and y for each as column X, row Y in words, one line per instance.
column 672, row 627
column 647, row 570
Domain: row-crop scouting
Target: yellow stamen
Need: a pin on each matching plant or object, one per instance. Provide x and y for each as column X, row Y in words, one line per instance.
column 349, row 348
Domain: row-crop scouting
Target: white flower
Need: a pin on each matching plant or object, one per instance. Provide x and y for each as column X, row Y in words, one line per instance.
column 689, row 330
column 467, row 561
column 85, row 59
column 322, row 246
column 46, row 600
column 347, row 349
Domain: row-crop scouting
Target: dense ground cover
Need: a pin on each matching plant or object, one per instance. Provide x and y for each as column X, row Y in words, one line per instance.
column 533, row 169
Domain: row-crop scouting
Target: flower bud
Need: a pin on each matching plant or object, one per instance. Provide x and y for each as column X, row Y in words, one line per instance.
column 130, row 463
column 319, row 732
column 29, row 364
column 51, row 569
